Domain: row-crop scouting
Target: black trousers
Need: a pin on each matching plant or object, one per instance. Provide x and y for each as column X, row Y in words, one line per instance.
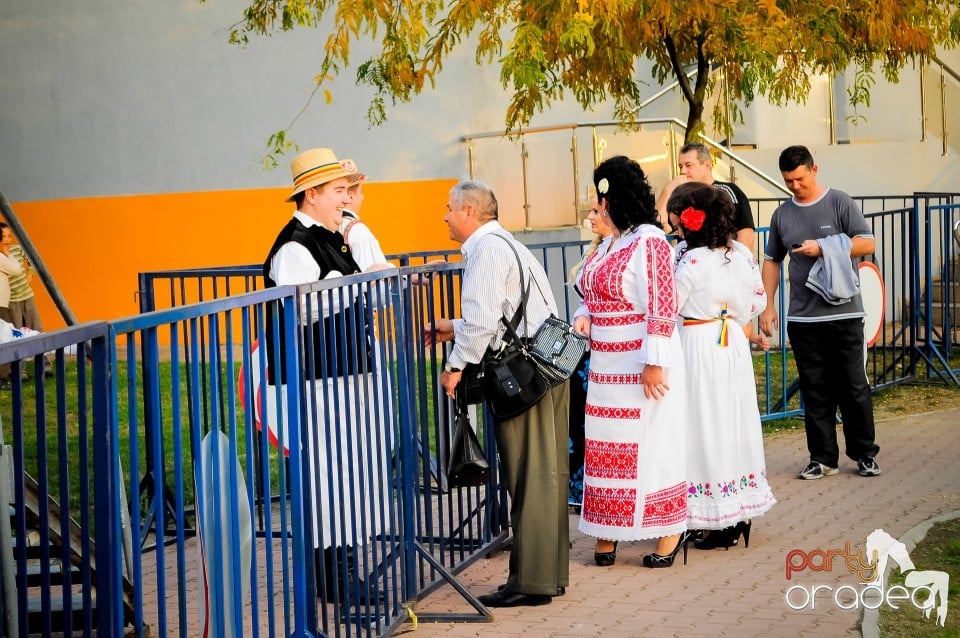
column 830, row 363
column 578, row 403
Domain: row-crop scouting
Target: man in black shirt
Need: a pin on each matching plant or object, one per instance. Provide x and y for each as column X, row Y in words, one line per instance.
column 696, row 165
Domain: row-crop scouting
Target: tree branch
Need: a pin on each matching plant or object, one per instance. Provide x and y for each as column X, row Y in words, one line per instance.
column 682, row 79
column 703, row 70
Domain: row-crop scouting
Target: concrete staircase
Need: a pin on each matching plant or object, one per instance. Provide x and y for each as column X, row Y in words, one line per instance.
column 944, row 292
column 52, row 574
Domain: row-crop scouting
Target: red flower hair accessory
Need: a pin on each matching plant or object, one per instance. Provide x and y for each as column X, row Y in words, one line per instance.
column 692, row 218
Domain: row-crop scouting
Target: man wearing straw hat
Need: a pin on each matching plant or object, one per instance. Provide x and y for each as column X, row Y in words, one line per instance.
column 308, row 249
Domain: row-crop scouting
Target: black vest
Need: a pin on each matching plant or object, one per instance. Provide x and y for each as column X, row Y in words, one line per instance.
column 341, row 341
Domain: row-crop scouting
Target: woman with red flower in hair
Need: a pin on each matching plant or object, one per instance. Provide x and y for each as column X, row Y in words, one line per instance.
column 719, row 292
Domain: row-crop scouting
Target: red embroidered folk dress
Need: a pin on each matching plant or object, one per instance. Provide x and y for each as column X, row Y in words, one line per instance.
column 634, row 484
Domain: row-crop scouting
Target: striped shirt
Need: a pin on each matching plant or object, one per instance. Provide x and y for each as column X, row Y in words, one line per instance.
column 491, row 290
column 20, row 289
column 9, row 267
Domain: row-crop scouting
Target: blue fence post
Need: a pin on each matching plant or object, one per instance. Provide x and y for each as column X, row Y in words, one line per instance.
column 147, row 302
column 406, row 439
column 106, row 498
column 298, row 442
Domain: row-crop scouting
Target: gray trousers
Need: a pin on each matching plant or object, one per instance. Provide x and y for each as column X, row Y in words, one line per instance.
column 533, row 449
column 25, row 313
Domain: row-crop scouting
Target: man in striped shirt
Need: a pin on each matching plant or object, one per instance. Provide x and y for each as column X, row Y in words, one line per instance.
column 533, row 445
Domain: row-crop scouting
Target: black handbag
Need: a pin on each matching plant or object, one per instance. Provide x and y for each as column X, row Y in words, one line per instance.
column 557, row 349
column 512, row 381
column 467, row 466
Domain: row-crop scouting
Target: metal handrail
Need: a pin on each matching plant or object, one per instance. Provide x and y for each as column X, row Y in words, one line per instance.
column 573, row 126
column 723, row 150
column 659, row 94
column 944, row 70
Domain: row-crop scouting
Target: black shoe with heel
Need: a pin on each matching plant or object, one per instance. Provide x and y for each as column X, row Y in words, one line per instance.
column 606, row 559
column 666, row 560
column 726, row 538
column 743, row 529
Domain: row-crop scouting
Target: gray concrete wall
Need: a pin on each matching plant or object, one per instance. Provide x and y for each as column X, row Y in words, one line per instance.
column 105, row 97
column 108, row 98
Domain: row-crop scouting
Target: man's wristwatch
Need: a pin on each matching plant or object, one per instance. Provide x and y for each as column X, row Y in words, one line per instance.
column 449, row 368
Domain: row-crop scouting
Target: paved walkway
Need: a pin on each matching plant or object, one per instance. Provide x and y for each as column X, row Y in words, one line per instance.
column 741, row 592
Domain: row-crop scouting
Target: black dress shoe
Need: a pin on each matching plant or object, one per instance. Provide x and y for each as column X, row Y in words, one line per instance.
column 560, row 590
column 507, row 598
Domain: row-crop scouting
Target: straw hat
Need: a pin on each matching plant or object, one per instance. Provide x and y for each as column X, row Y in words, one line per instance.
column 315, row 167
column 355, row 174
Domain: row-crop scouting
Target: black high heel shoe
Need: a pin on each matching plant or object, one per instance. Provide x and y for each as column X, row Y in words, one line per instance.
column 742, row 528
column 657, row 560
column 726, row 538
column 606, row 559
column 717, row 538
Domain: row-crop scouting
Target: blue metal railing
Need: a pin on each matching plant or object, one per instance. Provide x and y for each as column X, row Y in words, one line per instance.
column 61, row 461
column 137, row 398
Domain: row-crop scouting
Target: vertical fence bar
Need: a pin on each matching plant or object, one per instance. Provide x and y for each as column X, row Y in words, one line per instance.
column 106, row 496
column 297, row 496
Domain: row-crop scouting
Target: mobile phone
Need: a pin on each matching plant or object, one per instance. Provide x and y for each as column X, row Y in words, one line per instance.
column 797, row 245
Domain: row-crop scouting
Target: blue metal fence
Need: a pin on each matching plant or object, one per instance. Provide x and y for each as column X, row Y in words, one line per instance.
column 200, row 473
column 58, row 448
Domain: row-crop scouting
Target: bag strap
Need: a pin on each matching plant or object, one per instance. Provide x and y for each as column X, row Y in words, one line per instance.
column 459, row 398
column 521, row 311
column 346, row 230
column 525, row 290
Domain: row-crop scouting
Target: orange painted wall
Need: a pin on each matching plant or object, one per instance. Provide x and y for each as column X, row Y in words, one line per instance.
column 95, row 247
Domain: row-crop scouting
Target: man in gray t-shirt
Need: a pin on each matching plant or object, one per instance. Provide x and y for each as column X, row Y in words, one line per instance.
column 827, row 337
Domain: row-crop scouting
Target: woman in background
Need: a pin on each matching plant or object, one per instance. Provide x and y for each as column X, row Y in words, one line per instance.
column 634, row 484
column 603, row 230
column 719, row 292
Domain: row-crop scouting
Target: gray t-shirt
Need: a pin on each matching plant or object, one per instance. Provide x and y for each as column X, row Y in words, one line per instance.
column 792, row 223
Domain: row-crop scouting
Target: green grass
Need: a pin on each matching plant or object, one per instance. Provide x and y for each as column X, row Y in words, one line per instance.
column 64, row 410
column 938, row 551
column 61, row 416
column 925, row 394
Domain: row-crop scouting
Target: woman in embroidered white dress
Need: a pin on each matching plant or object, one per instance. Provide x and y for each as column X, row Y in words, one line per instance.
column 634, row 484
column 719, row 292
